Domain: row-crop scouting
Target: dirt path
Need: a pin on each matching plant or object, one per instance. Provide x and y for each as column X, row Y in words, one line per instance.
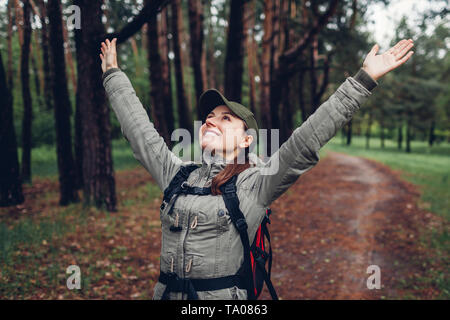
column 344, row 215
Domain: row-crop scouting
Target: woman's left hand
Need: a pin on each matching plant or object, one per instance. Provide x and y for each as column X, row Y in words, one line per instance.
column 378, row 65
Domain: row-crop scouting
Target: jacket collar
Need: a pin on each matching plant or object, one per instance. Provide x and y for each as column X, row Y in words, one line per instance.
column 212, row 165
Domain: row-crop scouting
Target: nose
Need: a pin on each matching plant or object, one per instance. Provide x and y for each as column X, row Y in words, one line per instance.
column 211, row 121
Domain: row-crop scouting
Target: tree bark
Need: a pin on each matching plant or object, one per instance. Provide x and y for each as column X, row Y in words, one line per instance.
column 196, row 33
column 249, row 25
column 26, row 95
column 9, row 40
column 234, row 60
column 45, row 57
column 400, row 136
column 211, row 66
column 62, row 108
column 97, row 167
column 184, row 112
column 156, row 80
column 10, row 183
column 166, row 73
column 349, row 132
column 431, row 135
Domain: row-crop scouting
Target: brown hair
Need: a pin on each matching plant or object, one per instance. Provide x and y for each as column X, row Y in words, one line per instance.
column 229, row 171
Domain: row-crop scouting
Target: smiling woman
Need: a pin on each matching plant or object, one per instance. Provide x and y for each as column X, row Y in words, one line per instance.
column 205, row 247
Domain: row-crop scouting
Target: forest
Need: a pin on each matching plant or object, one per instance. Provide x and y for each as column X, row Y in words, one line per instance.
column 64, row 152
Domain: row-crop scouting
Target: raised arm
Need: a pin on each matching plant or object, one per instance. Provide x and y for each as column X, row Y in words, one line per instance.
column 148, row 146
column 301, row 151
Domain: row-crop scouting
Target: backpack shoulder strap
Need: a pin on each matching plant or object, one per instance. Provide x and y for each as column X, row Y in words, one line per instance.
column 176, row 182
column 237, row 217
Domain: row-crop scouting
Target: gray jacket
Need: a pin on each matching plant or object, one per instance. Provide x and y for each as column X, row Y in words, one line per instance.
column 209, row 246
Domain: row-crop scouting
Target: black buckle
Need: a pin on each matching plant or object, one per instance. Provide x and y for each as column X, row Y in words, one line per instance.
column 175, row 229
column 184, row 185
column 163, row 205
column 241, row 225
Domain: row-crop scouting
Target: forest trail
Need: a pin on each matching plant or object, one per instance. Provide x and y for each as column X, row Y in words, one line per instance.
column 344, row 215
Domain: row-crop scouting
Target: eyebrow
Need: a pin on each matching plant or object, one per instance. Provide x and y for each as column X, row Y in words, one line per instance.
column 225, row 112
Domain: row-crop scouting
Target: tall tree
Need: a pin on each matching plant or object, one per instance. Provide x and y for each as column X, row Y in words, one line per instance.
column 45, row 55
column 166, row 71
column 9, row 39
column 97, row 167
column 184, row 112
column 62, row 107
column 234, row 60
column 26, row 94
column 251, row 50
column 10, row 184
column 196, row 36
column 92, row 118
column 156, row 81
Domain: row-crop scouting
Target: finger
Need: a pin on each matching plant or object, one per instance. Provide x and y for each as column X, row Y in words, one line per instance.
column 103, row 50
column 403, row 50
column 101, row 56
column 404, row 59
column 374, row 49
column 394, row 48
column 400, row 48
column 108, row 43
column 104, row 47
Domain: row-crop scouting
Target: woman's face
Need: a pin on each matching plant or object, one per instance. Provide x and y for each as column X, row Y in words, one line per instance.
column 224, row 133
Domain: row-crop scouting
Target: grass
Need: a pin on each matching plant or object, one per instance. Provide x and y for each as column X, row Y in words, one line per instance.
column 44, row 160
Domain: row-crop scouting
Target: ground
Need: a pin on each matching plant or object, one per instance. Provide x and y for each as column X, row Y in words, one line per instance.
column 341, row 217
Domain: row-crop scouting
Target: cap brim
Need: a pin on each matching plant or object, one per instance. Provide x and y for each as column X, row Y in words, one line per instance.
column 210, row 99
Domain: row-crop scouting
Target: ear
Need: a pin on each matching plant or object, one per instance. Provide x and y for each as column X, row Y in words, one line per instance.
column 246, row 142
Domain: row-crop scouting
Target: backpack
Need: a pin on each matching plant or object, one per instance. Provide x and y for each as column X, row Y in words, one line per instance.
column 252, row 273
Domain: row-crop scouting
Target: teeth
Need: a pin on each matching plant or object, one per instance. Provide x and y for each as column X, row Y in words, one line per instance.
column 209, row 133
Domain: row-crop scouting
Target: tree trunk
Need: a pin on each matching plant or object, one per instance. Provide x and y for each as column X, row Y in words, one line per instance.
column 10, row 184
column 98, row 175
column 26, row 95
column 251, row 48
column 184, row 112
column 166, row 73
column 9, row 40
column 349, row 132
column 211, row 67
column 69, row 59
column 196, row 33
column 408, row 134
column 431, row 136
column 156, row 80
column 45, row 56
column 62, row 108
column 287, row 112
column 368, row 131
column 400, row 136
column 234, row 60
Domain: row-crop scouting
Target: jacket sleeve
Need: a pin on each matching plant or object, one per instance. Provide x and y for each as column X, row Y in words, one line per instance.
column 301, row 151
column 148, row 146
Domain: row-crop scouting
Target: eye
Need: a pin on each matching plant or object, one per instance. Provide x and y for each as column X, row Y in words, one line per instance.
column 226, row 118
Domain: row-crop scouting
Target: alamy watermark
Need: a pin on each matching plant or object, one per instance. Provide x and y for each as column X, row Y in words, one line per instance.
column 374, row 280
column 74, row 18
column 74, row 280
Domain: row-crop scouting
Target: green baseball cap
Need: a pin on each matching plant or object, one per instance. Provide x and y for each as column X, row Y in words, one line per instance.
column 212, row 98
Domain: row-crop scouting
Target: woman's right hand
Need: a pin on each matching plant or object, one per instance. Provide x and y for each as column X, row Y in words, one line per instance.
column 109, row 54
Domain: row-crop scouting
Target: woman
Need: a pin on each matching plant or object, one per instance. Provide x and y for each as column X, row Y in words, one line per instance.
column 204, row 244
